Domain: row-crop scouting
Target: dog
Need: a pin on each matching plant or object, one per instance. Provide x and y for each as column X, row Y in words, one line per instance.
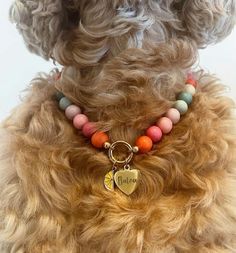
column 124, row 62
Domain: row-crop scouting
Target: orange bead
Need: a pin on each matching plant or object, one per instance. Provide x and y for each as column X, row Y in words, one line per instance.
column 98, row 139
column 144, row 143
column 192, row 82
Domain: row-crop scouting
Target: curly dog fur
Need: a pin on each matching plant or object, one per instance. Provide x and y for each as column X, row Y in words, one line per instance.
column 83, row 32
column 124, row 61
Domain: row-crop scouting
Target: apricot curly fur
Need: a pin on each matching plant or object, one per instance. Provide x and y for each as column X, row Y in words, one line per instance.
column 52, row 197
column 124, row 62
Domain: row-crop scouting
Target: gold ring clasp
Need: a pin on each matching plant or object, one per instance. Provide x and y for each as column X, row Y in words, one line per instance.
column 113, row 147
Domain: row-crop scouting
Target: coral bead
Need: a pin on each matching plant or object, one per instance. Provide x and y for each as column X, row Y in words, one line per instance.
column 72, row 111
column 80, row 120
column 190, row 89
column 165, row 124
column 174, row 115
column 181, row 106
column 192, row 82
column 98, row 139
column 57, row 76
column 144, row 143
column 154, row 133
column 187, row 97
column 89, row 129
column 64, row 103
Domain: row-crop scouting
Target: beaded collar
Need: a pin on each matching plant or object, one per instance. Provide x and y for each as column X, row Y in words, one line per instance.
column 122, row 175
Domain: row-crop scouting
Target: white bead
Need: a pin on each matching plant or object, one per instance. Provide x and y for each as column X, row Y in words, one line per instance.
column 190, row 89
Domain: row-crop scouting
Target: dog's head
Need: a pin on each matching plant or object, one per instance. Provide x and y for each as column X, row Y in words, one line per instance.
column 83, row 33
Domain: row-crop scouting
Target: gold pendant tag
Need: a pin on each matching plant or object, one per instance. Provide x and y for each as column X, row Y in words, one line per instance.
column 127, row 180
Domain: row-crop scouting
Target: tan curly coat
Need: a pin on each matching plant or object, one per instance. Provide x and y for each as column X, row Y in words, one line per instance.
column 52, row 198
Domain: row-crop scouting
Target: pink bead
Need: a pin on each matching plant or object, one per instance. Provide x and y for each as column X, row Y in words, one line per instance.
column 174, row 115
column 80, row 120
column 190, row 75
column 71, row 111
column 165, row 125
column 154, row 133
column 89, row 129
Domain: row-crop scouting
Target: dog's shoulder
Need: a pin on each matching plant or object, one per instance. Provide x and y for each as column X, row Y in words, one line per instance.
column 38, row 116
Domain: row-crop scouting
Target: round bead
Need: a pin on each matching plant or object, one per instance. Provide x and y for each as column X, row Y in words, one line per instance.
column 192, row 82
column 72, row 111
column 155, row 133
column 174, row 115
column 165, row 124
column 187, row 97
column 59, row 95
column 135, row 149
column 98, row 139
column 57, row 76
column 190, row 75
column 144, row 144
column 64, row 103
column 107, row 145
column 80, row 120
column 89, row 129
column 190, row 89
column 181, row 106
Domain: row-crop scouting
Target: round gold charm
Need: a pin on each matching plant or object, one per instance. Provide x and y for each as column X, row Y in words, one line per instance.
column 109, row 181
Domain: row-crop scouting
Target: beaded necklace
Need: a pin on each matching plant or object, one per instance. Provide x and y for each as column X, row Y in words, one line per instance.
column 121, row 174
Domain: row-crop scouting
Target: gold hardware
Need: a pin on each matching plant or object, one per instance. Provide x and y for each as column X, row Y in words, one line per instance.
column 112, row 148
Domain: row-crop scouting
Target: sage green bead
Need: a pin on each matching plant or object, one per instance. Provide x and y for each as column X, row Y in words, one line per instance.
column 59, row 95
column 181, row 106
column 187, row 97
column 64, row 103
